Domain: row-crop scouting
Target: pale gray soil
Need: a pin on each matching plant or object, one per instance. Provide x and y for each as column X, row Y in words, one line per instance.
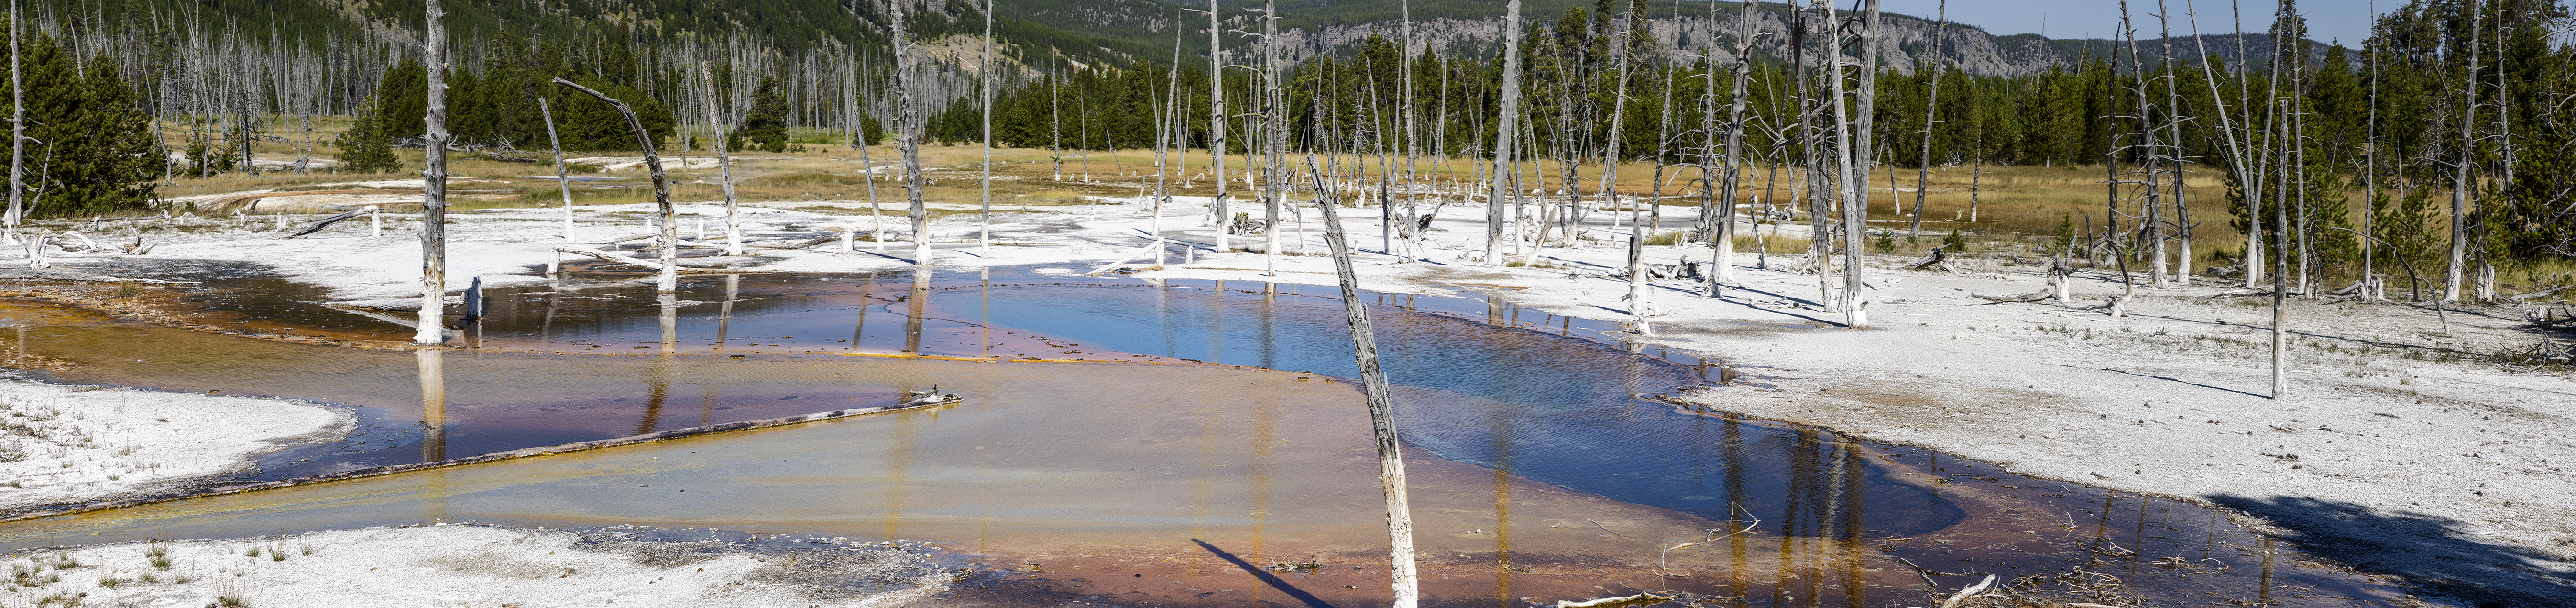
column 2399, row 451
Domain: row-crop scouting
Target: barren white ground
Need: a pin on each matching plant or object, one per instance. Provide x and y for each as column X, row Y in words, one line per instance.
column 2386, row 454
column 79, row 444
column 446, row 565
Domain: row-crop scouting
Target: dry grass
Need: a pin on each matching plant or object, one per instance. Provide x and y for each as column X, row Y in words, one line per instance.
column 2017, row 207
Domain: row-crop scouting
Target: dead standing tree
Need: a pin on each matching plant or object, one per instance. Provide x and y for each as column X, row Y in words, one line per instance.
column 18, row 128
column 1931, row 114
column 1274, row 136
column 1719, row 212
column 1511, row 109
column 670, row 242
column 1637, row 310
column 908, row 134
column 1381, row 401
column 433, row 206
column 1216, row 130
column 1819, row 229
column 724, row 163
column 984, row 237
column 1855, row 130
column 563, row 175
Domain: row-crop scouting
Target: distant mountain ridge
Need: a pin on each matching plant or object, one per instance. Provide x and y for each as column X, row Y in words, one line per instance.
column 1097, row 32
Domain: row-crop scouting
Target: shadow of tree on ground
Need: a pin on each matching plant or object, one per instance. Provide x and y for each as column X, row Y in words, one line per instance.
column 2435, row 555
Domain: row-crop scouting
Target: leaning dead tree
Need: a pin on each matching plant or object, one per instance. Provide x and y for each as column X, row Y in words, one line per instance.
column 1381, row 401
column 563, row 175
column 670, row 241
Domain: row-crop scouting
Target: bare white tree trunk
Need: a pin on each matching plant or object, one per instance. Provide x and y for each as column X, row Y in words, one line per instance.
column 1274, row 136
column 2151, row 188
column 876, row 212
column 1381, row 406
column 2460, row 167
column 670, row 242
column 2238, row 147
column 724, row 163
column 18, row 129
column 563, row 175
column 1852, row 130
column 1503, row 135
column 1610, row 179
column 433, row 208
column 1819, row 227
column 1216, row 129
column 2173, row 110
column 1722, row 257
column 908, row 136
column 1931, row 114
column 984, row 238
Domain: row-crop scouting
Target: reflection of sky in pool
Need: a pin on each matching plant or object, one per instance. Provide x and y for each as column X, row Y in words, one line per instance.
column 1110, row 454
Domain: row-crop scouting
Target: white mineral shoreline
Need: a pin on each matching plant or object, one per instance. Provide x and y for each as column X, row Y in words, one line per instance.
column 2387, row 453
column 83, row 444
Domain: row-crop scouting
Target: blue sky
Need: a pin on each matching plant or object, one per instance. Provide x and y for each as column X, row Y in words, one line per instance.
column 2348, row 20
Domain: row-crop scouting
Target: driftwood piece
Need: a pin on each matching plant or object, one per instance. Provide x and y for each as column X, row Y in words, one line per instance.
column 1613, row 601
column 2114, row 303
column 49, row 274
column 612, row 258
column 1935, row 261
column 2541, row 294
column 2547, row 317
column 708, row 264
column 796, row 244
column 318, row 225
column 2041, row 296
column 1971, row 591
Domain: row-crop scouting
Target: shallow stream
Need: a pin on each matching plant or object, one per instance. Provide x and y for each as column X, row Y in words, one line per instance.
column 1130, row 441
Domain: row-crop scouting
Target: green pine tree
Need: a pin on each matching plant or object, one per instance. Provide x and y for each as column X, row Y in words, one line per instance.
column 765, row 127
column 95, row 154
column 590, row 124
column 402, row 101
column 366, row 147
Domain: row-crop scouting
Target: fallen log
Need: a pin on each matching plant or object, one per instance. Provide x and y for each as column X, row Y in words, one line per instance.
column 2547, row 317
column 2540, row 294
column 701, row 264
column 606, row 256
column 318, row 225
column 2028, row 297
column 1641, row 598
column 48, row 274
column 1932, row 262
column 795, row 244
